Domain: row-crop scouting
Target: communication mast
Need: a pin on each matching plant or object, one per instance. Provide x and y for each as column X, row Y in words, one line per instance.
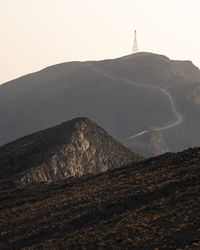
column 135, row 45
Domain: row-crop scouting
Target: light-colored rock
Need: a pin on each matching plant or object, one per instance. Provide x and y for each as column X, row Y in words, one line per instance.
column 72, row 149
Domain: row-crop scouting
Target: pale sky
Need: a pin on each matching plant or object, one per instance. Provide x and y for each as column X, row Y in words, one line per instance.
column 39, row 33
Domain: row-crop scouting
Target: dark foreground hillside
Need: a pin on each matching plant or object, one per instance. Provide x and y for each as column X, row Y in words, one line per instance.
column 147, row 205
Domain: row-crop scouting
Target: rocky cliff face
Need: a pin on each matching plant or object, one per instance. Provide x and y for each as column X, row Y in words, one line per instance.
column 72, row 149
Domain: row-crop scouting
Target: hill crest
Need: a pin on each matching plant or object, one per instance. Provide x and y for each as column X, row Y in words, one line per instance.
column 71, row 149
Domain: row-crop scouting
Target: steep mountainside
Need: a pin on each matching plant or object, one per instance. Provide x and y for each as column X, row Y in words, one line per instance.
column 153, row 204
column 72, row 149
column 125, row 96
column 188, row 101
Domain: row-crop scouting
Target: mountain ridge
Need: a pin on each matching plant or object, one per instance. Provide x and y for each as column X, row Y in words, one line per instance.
column 71, row 149
column 124, row 109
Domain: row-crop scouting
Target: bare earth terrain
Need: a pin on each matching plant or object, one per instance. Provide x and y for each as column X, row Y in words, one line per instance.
column 153, row 204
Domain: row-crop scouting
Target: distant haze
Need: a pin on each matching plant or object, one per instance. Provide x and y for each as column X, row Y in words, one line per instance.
column 35, row 33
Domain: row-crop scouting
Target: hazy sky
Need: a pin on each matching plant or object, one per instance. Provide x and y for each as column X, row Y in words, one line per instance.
column 39, row 33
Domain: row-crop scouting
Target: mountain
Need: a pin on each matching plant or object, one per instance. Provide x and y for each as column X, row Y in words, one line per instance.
column 151, row 68
column 71, row 149
column 126, row 96
column 152, row 204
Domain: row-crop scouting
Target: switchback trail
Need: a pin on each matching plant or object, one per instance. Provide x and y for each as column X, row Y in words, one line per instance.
column 179, row 117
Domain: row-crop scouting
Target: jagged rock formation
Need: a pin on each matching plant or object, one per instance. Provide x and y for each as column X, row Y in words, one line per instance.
column 99, row 90
column 153, row 204
column 149, row 143
column 72, row 149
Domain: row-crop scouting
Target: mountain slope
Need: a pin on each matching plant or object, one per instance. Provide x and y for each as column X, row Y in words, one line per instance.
column 72, row 149
column 125, row 96
column 155, row 69
column 152, row 204
column 187, row 98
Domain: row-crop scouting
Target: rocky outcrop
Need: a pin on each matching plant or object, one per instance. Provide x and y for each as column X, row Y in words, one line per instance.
column 72, row 149
column 149, row 143
column 157, row 143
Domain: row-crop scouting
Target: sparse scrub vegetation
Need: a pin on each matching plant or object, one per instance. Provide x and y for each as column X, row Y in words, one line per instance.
column 148, row 205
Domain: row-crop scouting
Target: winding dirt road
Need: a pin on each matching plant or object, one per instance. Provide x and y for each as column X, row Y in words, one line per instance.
column 179, row 116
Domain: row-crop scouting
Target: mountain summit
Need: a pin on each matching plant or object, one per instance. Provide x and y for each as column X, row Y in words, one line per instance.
column 125, row 96
column 156, row 69
column 72, row 149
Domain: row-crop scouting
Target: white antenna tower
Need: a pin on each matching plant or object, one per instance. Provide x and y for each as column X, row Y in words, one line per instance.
column 135, row 45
